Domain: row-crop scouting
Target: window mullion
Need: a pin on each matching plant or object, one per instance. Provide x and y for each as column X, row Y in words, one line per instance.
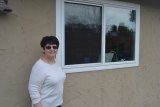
column 103, row 35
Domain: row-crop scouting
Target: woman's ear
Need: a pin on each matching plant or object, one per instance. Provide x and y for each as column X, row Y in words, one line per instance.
column 43, row 50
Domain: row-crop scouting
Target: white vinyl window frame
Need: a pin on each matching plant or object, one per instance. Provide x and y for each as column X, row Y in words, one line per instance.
column 60, row 26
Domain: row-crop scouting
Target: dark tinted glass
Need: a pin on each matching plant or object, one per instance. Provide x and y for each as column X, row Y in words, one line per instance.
column 82, row 33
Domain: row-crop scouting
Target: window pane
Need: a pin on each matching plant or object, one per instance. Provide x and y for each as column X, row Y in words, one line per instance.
column 82, row 33
column 120, row 34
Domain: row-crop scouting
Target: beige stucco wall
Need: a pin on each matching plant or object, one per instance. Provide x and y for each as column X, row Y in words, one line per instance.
column 20, row 33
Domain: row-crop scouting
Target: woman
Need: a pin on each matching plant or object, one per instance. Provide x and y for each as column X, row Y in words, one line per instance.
column 46, row 78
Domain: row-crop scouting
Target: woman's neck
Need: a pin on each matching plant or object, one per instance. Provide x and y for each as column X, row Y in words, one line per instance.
column 48, row 60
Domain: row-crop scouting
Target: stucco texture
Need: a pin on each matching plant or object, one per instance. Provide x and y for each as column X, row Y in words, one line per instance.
column 20, row 33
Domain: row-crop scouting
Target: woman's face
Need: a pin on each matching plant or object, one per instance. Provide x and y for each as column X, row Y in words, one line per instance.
column 50, row 50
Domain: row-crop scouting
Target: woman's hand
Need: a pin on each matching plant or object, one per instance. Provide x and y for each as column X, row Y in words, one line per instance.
column 37, row 105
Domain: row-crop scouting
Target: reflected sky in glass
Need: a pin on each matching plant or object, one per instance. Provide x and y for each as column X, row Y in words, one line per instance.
column 84, row 14
column 119, row 16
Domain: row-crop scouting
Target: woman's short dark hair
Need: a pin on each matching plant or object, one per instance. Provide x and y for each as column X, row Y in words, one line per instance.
column 49, row 40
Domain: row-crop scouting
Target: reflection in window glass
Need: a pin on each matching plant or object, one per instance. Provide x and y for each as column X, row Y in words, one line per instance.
column 120, row 34
column 82, row 33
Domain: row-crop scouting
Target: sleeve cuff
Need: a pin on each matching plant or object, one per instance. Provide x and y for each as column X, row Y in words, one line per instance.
column 36, row 100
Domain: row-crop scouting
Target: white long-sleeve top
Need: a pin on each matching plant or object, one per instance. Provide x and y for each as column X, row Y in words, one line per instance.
column 46, row 84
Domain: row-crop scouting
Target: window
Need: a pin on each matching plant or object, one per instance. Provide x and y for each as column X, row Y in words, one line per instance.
column 97, row 35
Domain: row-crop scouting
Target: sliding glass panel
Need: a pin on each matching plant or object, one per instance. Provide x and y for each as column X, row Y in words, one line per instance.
column 83, row 25
column 120, row 34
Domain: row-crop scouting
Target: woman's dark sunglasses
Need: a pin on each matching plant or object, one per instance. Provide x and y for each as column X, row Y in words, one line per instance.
column 49, row 47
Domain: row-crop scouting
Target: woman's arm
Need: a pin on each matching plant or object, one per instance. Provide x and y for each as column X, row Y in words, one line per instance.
column 36, row 80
